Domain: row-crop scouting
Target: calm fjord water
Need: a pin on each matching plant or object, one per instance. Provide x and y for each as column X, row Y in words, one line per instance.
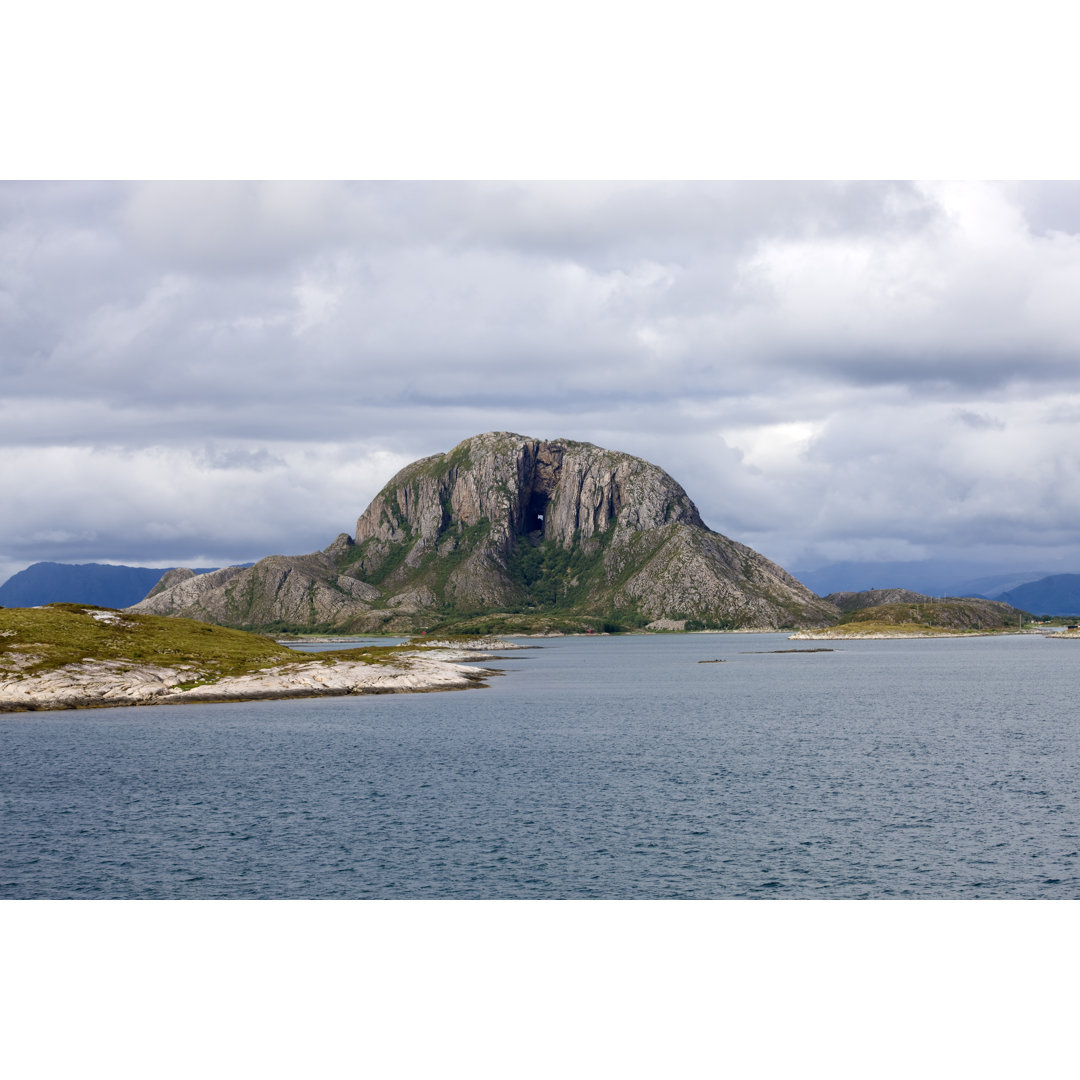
column 597, row 767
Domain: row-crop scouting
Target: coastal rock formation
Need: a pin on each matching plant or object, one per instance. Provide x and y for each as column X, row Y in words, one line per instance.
column 504, row 523
column 96, row 684
column 67, row 656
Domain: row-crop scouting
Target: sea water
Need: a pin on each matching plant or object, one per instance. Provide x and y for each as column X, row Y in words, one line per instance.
column 608, row 767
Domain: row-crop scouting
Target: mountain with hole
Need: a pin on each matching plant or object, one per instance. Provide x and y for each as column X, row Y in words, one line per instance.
column 508, row 534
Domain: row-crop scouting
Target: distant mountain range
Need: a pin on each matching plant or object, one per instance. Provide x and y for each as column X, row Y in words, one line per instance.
column 1037, row 591
column 87, row 583
column 932, row 577
column 1058, row 594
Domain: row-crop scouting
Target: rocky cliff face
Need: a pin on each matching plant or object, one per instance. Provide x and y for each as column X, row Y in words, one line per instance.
column 511, row 524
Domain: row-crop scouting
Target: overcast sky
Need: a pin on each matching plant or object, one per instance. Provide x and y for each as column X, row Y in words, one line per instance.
column 199, row 374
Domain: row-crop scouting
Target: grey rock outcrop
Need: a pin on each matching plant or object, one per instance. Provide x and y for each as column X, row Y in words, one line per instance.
column 294, row 591
column 93, row 684
column 172, row 578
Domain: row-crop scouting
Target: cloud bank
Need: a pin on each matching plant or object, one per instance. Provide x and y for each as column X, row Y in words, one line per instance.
column 205, row 373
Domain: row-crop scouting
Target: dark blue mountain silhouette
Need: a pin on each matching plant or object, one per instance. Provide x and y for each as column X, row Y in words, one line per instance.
column 1058, row 594
column 88, row 583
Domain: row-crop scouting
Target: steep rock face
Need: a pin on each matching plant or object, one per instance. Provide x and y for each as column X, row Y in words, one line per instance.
column 509, row 523
column 705, row 577
column 566, row 490
column 285, row 591
column 181, row 591
column 170, row 579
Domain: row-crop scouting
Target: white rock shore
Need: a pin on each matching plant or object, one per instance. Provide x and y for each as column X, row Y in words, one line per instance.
column 107, row 683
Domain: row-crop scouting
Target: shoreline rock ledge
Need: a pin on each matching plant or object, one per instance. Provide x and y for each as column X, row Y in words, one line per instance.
column 110, row 683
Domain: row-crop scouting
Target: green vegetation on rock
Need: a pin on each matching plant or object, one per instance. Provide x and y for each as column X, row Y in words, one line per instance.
column 33, row 640
column 68, row 656
column 933, row 617
column 552, row 576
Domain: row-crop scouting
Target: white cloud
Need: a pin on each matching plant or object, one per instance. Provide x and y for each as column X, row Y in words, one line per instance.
column 222, row 504
column 221, row 371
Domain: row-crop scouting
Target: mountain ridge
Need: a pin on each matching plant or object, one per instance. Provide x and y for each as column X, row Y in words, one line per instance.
column 1055, row 594
column 931, row 577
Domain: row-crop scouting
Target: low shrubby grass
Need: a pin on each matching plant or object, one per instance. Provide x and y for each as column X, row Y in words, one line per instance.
column 41, row 639
column 38, row 640
column 933, row 617
column 879, row 626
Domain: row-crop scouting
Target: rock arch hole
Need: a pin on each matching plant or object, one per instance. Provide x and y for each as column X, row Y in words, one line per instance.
column 535, row 512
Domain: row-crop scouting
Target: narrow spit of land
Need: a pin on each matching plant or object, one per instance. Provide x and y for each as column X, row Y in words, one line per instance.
column 965, row 617
column 75, row 656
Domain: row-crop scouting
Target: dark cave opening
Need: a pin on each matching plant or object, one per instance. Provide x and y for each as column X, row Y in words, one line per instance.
column 534, row 512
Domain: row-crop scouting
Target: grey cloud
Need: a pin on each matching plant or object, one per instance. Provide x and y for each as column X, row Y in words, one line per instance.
column 605, row 226
column 979, row 421
column 703, row 315
column 251, row 460
column 913, row 328
column 232, row 228
column 1050, row 206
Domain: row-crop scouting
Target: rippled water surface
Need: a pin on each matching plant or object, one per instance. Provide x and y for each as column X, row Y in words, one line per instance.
column 596, row 767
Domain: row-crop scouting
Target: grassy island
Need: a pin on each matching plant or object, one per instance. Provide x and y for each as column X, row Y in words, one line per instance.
column 81, row 656
column 37, row 640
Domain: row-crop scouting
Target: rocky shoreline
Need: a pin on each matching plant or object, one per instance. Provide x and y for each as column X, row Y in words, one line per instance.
column 898, row 635
column 109, row 683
